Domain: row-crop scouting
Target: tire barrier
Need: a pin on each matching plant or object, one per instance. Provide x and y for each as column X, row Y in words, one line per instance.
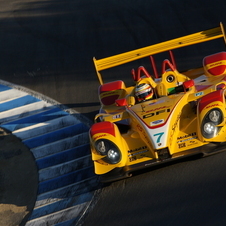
column 58, row 139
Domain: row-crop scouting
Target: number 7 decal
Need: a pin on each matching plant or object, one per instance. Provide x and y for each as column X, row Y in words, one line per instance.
column 159, row 136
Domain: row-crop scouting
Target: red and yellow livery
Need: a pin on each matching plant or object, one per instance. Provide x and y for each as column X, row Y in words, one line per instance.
column 186, row 116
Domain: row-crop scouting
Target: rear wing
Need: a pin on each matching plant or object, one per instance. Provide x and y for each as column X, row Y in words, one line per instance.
column 126, row 57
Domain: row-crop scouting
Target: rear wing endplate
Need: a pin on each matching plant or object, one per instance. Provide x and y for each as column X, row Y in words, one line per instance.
column 126, row 57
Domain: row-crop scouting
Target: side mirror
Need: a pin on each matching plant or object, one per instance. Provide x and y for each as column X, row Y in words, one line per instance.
column 121, row 102
column 188, row 84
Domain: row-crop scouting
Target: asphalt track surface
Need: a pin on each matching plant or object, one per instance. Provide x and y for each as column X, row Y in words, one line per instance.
column 47, row 46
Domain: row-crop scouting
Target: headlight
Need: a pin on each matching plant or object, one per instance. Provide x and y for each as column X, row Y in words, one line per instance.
column 209, row 128
column 109, row 150
column 210, row 122
column 215, row 116
column 102, row 147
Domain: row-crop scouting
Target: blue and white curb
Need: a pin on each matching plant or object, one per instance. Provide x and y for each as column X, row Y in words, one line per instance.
column 58, row 139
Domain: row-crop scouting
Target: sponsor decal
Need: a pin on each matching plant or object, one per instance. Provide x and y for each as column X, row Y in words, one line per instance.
column 156, row 109
column 185, row 140
column 141, row 151
column 109, row 93
column 187, row 135
column 100, row 136
column 138, row 153
column 182, row 145
column 116, row 116
column 173, row 128
column 157, row 122
column 213, row 105
column 176, row 122
column 215, row 64
column 192, row 142
column 139, row 128
column 133, row 158
column 156, row 113
column 137, row 149
column 199, row 94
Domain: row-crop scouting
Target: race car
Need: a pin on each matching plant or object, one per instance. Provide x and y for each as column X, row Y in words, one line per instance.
column 161, row 118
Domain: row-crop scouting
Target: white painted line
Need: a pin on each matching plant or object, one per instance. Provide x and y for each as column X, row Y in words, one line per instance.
column 23, row 111
column 45, row 127
column 11, row 94
column 63, row 215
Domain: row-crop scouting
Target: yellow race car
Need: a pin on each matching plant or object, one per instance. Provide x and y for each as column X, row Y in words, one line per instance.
column 164, row 117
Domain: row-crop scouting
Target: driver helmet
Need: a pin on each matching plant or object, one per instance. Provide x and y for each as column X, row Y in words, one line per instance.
column 143, row 92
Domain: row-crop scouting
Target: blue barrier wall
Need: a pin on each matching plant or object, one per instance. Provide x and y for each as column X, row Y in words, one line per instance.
column 58, row 139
